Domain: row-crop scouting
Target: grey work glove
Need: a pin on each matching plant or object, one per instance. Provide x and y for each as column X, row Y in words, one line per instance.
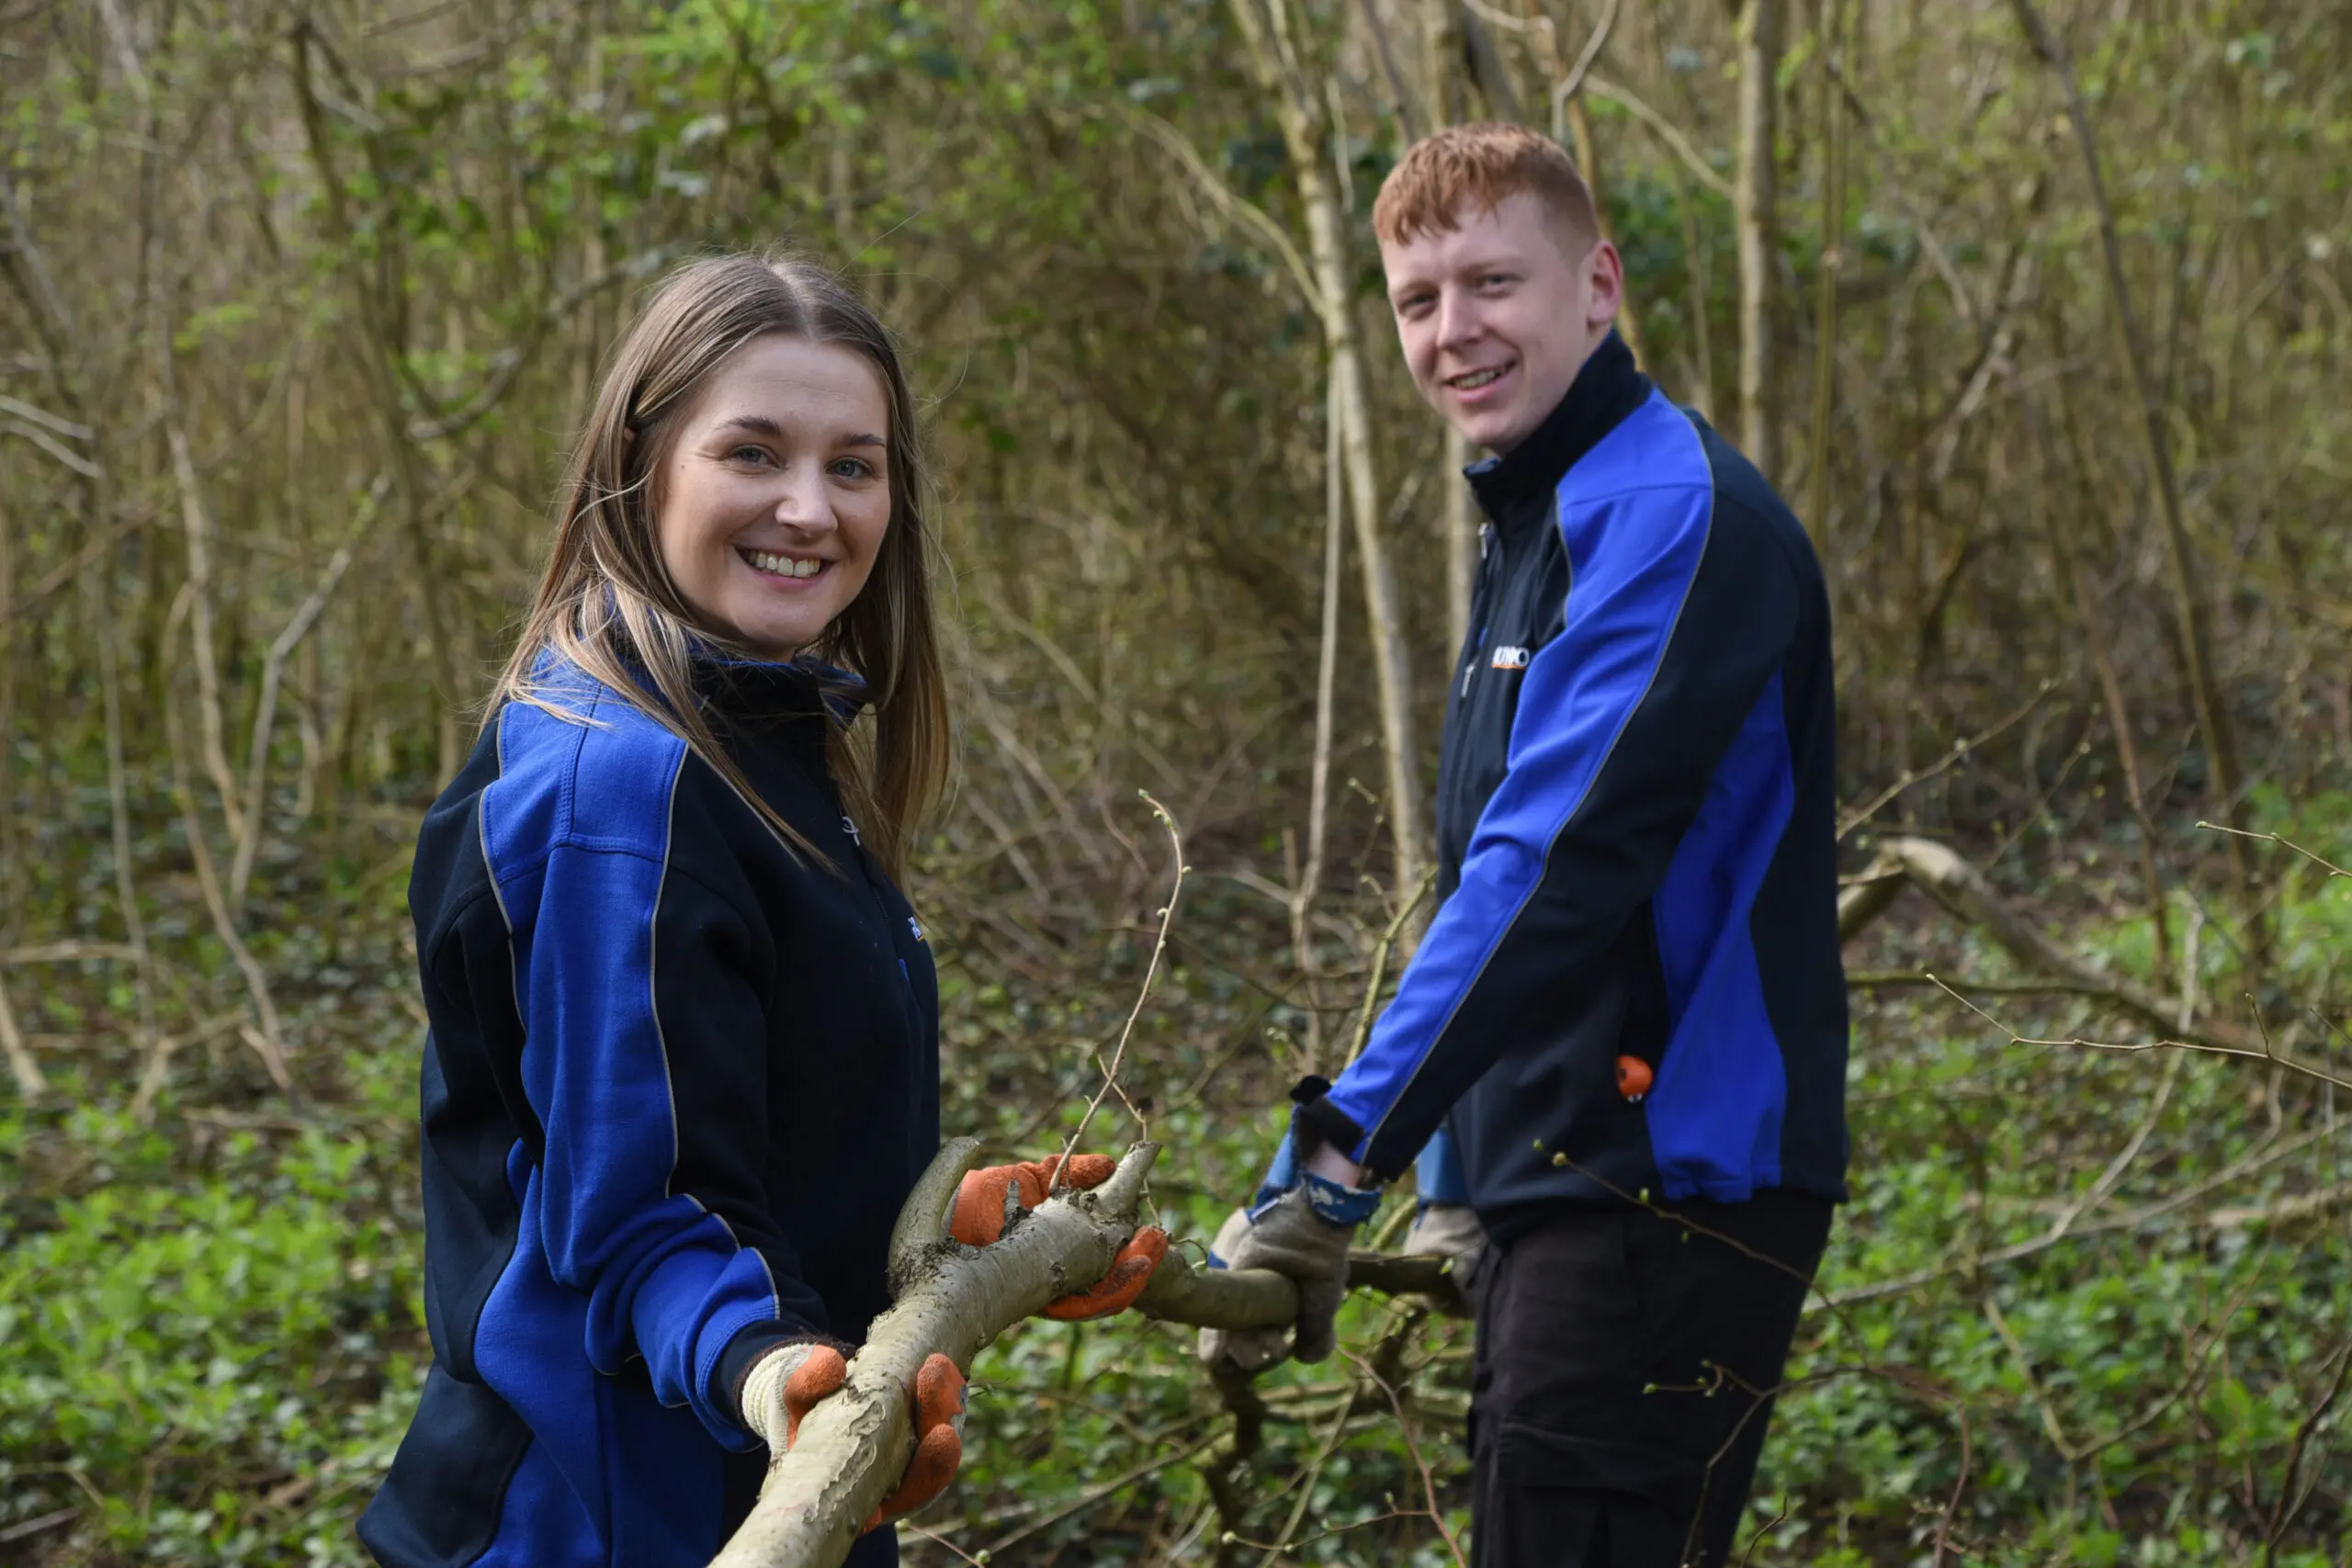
column 1289, row 1237
column 1451, row 1231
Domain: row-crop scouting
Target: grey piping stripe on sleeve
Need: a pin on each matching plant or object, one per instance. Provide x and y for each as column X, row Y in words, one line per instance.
column 490, row 869
column 661, row 1036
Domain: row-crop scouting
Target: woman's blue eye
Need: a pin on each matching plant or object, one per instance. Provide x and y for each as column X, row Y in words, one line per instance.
column 853, row 467
column 748, row 455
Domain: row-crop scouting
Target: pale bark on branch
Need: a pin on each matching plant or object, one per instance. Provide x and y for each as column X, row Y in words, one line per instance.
column 21, row 1065
column 954, row 1299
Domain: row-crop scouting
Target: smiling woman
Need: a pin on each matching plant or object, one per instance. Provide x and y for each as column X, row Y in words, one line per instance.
column 756, row 405
column 684, row 1065
column 775, row 499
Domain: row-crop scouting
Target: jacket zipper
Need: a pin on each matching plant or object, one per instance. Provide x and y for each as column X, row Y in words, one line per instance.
column 1490, row 552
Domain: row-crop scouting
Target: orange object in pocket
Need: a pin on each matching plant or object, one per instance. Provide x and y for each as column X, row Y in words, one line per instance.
column 1632, row 1079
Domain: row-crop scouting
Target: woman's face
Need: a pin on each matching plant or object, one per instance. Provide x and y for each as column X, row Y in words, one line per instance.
column 776, row 493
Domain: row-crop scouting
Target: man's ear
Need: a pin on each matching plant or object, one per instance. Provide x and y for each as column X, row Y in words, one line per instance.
column 1605, row 277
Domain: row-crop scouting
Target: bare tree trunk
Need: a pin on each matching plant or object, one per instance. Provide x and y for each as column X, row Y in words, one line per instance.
column 12, row 867
column 2117, row 711
column 1829, row 44
column 1572, row 123
column 1309, row 880
column 1754, row 195
column 2189, row 604
column 1441, row 60
column 1461, row 526
column 376, row 362
column 1298, row 108
column 1442, row 89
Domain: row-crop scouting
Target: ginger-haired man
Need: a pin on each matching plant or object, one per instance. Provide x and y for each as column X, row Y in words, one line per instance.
column 1623, row 1038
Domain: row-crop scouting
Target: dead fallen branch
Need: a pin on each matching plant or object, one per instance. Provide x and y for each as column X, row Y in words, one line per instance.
column 1960, row 887
column 1940, row 873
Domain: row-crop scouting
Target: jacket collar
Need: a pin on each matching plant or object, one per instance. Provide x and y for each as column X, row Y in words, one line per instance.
column 1518, row 485
column 755, row 689
column 729, row 686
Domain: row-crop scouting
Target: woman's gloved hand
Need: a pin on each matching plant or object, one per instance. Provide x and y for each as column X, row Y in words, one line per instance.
column 989, row 1198
column 784, row 1384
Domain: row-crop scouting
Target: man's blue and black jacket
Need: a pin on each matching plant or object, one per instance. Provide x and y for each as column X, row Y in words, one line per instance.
column 1638, row 841
column 679, row 1081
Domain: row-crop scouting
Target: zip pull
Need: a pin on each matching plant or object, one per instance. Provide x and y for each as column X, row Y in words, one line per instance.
column 1486, row 535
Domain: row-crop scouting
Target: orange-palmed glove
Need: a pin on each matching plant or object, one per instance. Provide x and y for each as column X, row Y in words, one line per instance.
column 989, row 1197
column 785, row 1384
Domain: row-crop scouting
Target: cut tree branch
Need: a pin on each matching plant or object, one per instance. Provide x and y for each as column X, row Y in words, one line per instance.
column 954, row 1299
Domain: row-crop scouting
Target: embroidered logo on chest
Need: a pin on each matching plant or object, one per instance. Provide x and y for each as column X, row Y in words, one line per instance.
column 1508, row 658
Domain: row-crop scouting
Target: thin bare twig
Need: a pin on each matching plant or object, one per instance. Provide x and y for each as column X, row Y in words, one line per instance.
column 1380, row 964
column 1159, row 945
column 1413, row 1450
column 2283, row 1511
column 1095, row 1493
column 2267, row 1053
column 269, row 1041
column 1242, row 210
column 2332, row 869
column 1666, row 131
column 1570, row 86
column 247, row 840
column 1960, row 748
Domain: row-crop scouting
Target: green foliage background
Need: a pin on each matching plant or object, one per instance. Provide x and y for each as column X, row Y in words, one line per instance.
column 363, row 260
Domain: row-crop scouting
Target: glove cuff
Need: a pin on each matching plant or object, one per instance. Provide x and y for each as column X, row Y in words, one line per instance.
column 1332, row 1202
column 755, row 1392
column 1336, row 1203
column 760, row 1396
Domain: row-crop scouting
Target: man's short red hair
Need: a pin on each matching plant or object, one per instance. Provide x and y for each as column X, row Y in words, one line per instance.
column 1466, row 170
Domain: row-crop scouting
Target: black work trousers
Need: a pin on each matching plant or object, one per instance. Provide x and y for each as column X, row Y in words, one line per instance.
column 1623, row 1378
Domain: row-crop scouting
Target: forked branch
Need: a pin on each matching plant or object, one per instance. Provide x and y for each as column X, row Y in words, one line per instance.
column 955, row 1299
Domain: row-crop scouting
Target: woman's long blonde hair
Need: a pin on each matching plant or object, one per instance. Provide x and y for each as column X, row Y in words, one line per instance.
column 607, row 604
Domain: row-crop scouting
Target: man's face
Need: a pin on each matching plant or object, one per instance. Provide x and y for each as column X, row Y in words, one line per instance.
column 1495, row 318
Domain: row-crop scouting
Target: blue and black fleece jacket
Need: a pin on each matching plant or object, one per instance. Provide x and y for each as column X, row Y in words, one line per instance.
column 679, row 1079
column 1637, row 842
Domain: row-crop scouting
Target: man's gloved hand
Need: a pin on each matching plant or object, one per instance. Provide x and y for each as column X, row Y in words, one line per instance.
column 1289, row 1235
column 988, row 1197
column 784, row 1384
column 1451, row 1231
